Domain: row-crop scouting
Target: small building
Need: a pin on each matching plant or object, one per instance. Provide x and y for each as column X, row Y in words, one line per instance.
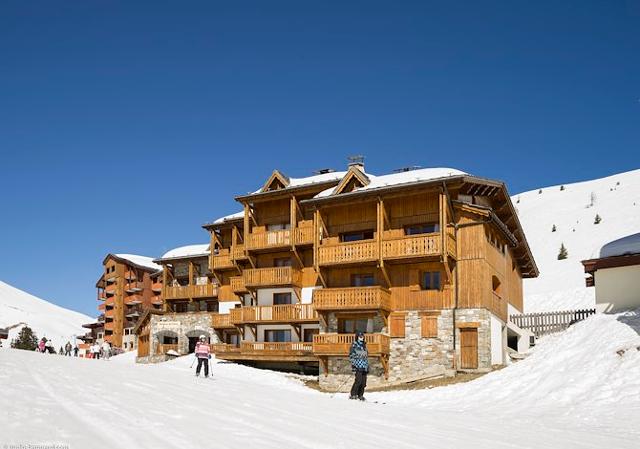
column 615, row 274
column 4, row 334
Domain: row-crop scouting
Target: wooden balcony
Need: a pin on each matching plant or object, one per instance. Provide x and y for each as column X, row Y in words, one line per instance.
column 108, row 326
column 101, row 307
column 110, row 302
column 238, row 251
column 110, row 290
column 286, row 349
column 348, row 253
column 164, row 348
column 224, row 348
column 302, row 235
column 133, row 299
column 352, row 298
column 132, row 287
column 157, row 300
column 272, row 276
column 412, row 246
column 222, row 260
column 286, row 313
column 452, row 247
column 340, row 344
column 221, row 321
column 190, row 291
column 109, row 313
column 130, row 275
column 237, row 284
column 156, row 287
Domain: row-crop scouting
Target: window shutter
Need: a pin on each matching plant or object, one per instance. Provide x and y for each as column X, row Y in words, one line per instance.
column 396, row 324
column 429, row 326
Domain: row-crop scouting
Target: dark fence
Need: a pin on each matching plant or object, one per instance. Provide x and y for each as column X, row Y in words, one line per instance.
column 549, row 322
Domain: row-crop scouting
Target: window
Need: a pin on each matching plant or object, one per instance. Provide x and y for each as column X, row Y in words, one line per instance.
column 181, row 307
column 308, row 335
column 278, row 226
column 277, row 335
column 281, row 298
column 355, row 236
column 362, row 280
column 396, row 325
column 429, row 325
column 169, row 340
column 425, row 228
column 352, row 325
column 282, row 262
column 430, row 280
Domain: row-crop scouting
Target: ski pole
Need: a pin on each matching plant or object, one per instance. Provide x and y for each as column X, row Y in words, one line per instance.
column 340, row 387
column 194, row 361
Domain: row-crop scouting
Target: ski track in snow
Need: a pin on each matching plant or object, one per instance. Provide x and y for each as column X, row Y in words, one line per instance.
column 574, row 391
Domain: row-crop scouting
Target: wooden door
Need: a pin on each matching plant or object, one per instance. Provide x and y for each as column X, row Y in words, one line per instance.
column 469, row 348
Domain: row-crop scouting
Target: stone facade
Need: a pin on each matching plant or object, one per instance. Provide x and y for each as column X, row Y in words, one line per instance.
column 180, row 325
column 413, row 357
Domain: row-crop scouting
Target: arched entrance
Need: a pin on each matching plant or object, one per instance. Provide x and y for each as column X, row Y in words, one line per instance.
column 194, row 335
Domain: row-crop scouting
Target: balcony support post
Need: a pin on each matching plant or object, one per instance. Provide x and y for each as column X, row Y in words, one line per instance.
column 324, row 362
column 297, row 329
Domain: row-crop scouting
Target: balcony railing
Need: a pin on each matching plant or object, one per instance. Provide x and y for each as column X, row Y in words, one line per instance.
column 285, row 313
column 411, row 246
column 352, row 298
column 238, row 251
column 102, row 307
column 224, row 348
column 131, row 287
column 108, row 325
column 237, row 284
column 276, row 349
column 156, row 287
column 266, row 277
column 301, row 235
column 109, row 313
column 110, row 290
column 222, row 260
column 344, row 253
column 340, row 344
column 221, row 321
column 164, row 348
column 156, row 300
column 190, row 291
column 133, row 299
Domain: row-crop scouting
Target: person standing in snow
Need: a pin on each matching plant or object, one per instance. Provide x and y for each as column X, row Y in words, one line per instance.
column 61, row 351
column 106, row 350
column 41, row 345
column 203, row 354
column 67, row 349
column 75, row 351
column 49, row 347
column 359, row 358
column 95, row 350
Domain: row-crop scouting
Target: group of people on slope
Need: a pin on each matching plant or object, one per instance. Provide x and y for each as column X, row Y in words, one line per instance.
column 97, row 351
column 45, row 345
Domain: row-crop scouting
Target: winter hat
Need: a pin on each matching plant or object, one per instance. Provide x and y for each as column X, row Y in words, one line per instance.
column 202, row 337
column 359, row 334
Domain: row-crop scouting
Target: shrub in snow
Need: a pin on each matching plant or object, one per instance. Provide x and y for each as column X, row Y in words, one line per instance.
column 597, row 219
column 553, row 228
column 561, row 188
column 539, row 191
column 563, row 254
column 26, row 339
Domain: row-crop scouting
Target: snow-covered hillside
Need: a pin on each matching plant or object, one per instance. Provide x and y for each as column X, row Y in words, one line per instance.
column 561, row 285
column 46, row 319
column 575, row 391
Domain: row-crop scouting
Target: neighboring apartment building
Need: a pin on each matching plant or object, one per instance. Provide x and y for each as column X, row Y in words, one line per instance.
column 615, row 274
column 128, row 286
column 429, row 263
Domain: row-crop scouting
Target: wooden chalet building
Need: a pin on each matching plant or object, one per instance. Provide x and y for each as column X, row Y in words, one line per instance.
column 129, row 285
column 428, row 263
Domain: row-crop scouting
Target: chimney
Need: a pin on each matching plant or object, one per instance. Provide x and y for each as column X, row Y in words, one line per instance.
column 356, row 161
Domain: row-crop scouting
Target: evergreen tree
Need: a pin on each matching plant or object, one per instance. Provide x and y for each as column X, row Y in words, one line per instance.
column 553, row 228
column 26, row 340
column 563, row 254
column 597, row 219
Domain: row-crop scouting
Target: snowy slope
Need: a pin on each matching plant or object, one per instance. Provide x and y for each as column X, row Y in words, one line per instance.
column 557, row 398
column 46, row 319
column 560, row 285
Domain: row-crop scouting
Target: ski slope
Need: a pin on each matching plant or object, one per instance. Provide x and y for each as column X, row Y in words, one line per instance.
column 46, row 319
column 575, row 391
column 561, row 284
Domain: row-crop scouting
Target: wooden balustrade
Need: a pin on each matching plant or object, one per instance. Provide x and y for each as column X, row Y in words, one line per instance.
column 111, row 301
column 237, row 284
column 164, row 348
column 108, row 325
column 411, row 246
column 238, row 251
column 109, row 313
column 352, row 298
column 156, row 287
column 268, row 239
column 235, row 315
column 265, row 277
column 423, row 299
column 351, row 252
column 110, row 289
column 190, row 291
column 224, row 348
column 133, row 299
column 133, row 286
column 303, row 235
column 451, row 243
column 340, row 344
column 222, row 260
column 280, row 348
column 221, row 321
column 102, row 306
column 284, row 313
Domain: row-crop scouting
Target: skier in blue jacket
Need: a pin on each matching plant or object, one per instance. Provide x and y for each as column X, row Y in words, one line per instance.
column 359, row 358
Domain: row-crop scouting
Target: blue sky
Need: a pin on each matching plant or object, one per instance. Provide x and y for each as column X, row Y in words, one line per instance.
column 126, row 125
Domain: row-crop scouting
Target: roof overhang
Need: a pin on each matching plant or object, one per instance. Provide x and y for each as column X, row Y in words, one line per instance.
column 592, row 265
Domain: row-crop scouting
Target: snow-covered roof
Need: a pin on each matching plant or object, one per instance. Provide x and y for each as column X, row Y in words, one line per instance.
column 229, row 217
column 315, row 179
column 187, row 251
column 407, row 177
column 142, row 261
column 622, row 247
